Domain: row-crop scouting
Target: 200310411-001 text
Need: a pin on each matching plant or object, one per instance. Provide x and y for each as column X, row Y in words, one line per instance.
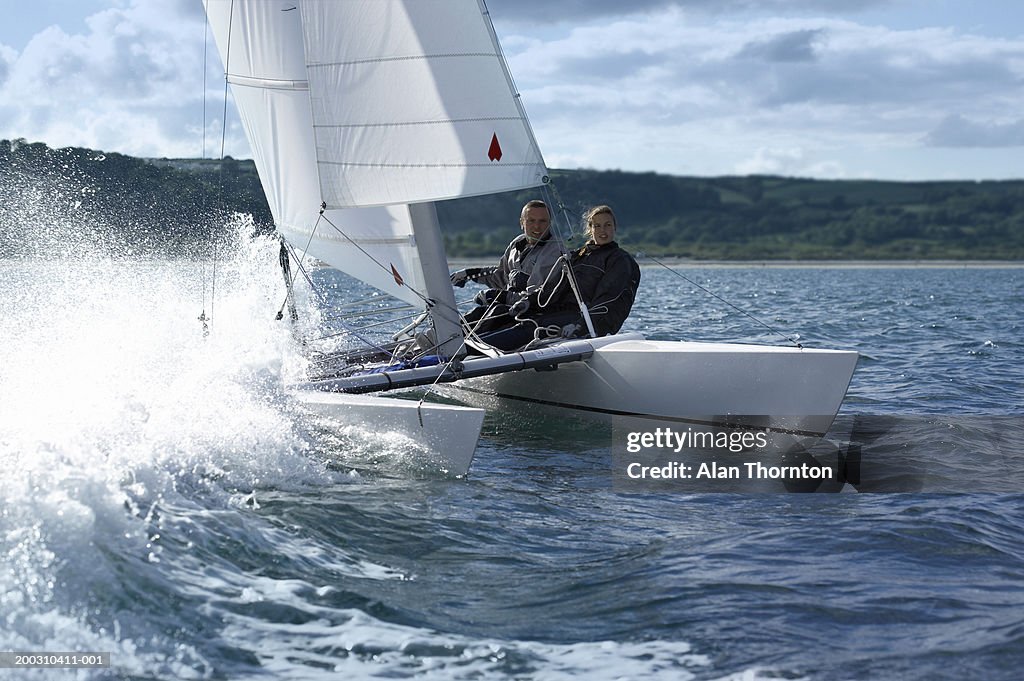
column 53, row 660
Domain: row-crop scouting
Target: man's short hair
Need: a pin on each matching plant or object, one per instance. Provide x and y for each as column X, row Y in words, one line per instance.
column 535, row 203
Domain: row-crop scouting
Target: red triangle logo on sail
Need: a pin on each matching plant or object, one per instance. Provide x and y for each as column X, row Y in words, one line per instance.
column 494, row 153
column 397, row 276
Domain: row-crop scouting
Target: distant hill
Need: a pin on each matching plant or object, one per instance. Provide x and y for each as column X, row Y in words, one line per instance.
column 50, row 198
column 155, row 202
column 766, row 217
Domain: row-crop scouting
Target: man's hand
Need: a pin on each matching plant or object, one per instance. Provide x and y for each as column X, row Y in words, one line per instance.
column 571, row 330
column 520, row 306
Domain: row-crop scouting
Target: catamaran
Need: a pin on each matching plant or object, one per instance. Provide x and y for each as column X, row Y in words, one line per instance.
column 360, row 115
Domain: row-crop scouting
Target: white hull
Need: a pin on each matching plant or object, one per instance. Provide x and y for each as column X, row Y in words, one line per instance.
column 447, row 433
column 791, row 391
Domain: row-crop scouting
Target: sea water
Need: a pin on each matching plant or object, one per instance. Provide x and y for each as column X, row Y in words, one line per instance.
column 163, row 501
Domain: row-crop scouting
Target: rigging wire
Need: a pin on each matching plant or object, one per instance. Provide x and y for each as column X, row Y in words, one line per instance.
column 553, row 198
column 469, row 332
column 223, row 144
column 206, row 44
column 377, row 311
column 714, row 295
column 319, row 294
column 429, row 303
column 290, row 288
column 371, row 325
column 205, row 318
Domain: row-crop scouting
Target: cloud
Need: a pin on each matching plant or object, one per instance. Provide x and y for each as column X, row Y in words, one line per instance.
column 794, row 46
column 957, row 131
column 766, row 161
column 538, row 12
column 689, row 86
column 7, row 59
column 669, row 82
column 615, row 66
column 131, row 83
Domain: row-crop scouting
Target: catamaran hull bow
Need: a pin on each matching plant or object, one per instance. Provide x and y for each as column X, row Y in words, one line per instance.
column 445, row 434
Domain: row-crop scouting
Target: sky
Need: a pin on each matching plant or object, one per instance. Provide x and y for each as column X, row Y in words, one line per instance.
column 829, row 89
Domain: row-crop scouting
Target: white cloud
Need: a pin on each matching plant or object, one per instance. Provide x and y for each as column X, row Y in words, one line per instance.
column 7, row 58
column 131, row 83
column 680, row 86
column 534, row 12
column 722, row 90
column 957, row 131
column 772, row 161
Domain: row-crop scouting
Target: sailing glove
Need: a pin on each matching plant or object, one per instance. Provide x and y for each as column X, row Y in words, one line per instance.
column 571, row 330
column 460, row 277
column 519, row 307
column 487, row 296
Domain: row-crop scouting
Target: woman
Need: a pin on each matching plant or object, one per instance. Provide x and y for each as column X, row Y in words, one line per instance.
column 605, row 275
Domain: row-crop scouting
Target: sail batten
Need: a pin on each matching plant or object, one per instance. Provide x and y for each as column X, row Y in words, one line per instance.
column 445, row 121
column 405, row 57
column 267, row 83
column 427, row 165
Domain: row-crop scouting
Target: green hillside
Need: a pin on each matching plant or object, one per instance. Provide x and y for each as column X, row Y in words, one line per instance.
column 763, row 217
column 153, row 203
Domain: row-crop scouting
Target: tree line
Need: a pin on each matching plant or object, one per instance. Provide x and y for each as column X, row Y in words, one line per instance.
column 769, row 217
column 175, row 204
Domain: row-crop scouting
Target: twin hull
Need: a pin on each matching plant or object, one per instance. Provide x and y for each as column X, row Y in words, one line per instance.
column 791, row 393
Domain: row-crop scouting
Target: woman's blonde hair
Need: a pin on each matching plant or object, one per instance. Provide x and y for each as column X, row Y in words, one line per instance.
column 588, row 219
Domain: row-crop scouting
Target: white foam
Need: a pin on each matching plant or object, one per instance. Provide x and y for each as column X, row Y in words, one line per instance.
column 113, row 404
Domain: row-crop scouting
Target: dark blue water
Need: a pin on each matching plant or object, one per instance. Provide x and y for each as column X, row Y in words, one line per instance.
column 164, row 502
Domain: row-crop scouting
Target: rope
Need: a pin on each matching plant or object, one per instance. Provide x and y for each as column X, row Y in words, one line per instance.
column 567, row 268
column 723, row 300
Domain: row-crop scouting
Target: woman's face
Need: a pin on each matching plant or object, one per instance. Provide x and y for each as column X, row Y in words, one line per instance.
column 603, row 227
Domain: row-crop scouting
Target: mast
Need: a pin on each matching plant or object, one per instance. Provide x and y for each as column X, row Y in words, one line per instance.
column 444, row 313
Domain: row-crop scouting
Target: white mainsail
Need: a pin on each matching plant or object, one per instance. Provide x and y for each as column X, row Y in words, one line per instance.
column 365, row 106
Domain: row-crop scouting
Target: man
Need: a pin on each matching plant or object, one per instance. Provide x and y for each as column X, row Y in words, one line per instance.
column 526, row 261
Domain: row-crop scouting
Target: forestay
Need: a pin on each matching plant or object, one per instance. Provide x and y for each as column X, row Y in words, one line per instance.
column 366, row 106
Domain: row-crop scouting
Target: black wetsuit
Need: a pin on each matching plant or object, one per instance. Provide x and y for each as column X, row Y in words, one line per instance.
column 607, row 278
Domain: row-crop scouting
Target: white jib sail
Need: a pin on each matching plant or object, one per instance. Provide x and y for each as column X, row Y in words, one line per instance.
column 366, row 106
